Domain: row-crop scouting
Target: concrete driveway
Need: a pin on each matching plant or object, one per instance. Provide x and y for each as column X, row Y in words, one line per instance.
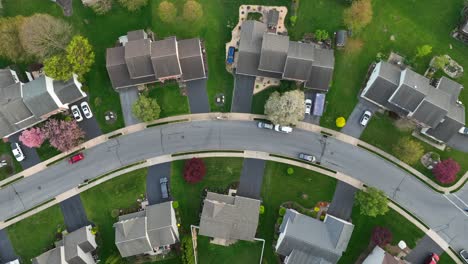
column 153, row 186
column 243, row 93
column 423, row 249
column 251, row 178
column 90, row 126
column 343, row 201
column 74, row 213
column 198, row 96
column 352, row 127
column 7, row 253
column 30, row 154
column 127, row 97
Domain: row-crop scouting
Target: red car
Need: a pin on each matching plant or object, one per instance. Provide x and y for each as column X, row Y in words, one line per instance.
column 432, row 259
column 76, row 158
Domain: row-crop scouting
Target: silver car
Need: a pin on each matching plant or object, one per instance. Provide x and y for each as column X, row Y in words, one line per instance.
column 164, row 190
column 464, row 255
column 307, row 157
column 265, row 125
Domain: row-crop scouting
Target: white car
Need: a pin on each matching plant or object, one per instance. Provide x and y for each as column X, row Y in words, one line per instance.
column 308, row 106
column 86, row 110
column 307, row 157
column 283, row 129
column 365, row 118
column 76, row 113
column 17, row 152
column 463, row 131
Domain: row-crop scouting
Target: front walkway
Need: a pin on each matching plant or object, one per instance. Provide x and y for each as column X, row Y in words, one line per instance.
column 251, row 178
column 74, row 213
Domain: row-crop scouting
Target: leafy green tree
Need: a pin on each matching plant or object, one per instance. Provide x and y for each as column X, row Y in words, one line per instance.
column 358, row 15
column 80, row 55
column 188, row 256
column 101, row 7
column 58, row 68
column 192, row 10
column 167, row 11
column 146, row 109
column 321, row 35
column 408, row 150
column 440, row 62
column 373, row 202
column 285, row 109
column 133, row 5
column 423, row 50
column 10, row 44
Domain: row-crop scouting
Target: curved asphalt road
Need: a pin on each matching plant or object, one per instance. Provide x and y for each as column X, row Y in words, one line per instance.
column 433, row 208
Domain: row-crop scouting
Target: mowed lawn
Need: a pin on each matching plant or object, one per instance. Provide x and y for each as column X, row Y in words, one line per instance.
column 242, row 252
column 119, row 193
column 170, row 99
column 36, row 234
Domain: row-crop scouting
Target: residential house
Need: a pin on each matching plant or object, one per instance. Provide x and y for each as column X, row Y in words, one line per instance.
column 75, row 248
column 462, row 30
column 140, row 60
column 270, row 55
column 148, row 232
column 23, row 105
column 379, row 256
column 229, row 218
column 305, row 240
column 435, row 108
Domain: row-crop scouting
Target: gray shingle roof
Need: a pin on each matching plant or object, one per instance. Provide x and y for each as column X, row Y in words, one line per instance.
column 67, row 91
column 407, row 98
column 131, row 238
column 433, row 108
column 321, row 73
column 273, row 53
column 301, row 257
column 191, row 59
column 136, row 35
column 164, row 58
column 249, row 47
column 325, row 240
column 451, row 87
column 300, row 59
column 138, row 58
column 37, row 98
column 161, row 222
column 6, row 78
column 229, row 218
column 53, row 256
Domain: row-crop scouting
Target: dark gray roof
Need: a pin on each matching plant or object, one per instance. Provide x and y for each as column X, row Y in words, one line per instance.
column 164, row 58
column 191, row 59
column 131, row 238
column 272, row 17
column 325, row 240
column 138, row 58
column 78, row 243
column 321, row 73
column 299, row 61
column 67, row 91
column 445, row 130
column 341, row 37
column 433, row 108
column 6, row 78
column 249, row 47
column 407, row 98
column 37, row 98
column 301, row 257
column 136, row 35
column 451, row 87
column 162, row 229
column 380, row 91
column 229, row 218
column 273, row 53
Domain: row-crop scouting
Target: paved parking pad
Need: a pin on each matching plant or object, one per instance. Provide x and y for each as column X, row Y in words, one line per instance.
column 423, row 249
column 198, row 96
column 343, row 201
column 7, row 253
column 153, row 186
column 30, row 154
column 89, row 126
column 353, row 127
column 243, row 93
column 74, row 213
column 251, row 178
column 127, row 97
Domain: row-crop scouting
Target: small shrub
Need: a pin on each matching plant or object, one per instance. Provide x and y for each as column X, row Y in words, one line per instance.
column 293, row 20
column 282, row 211
column 94, row 230
column 316, row 209
column 290, row 171
column 194, row 170
column 115, row 213
column 192, row 10
column 381, row 236
column 322, row 217
column 262, row 209
column 279, row 220
column 446, row 171
column 175, row 204
column 435, row 156
column 167, row 12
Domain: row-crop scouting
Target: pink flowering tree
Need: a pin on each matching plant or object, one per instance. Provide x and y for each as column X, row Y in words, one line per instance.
column 63, row 135
column 381, row 236
column 446, row 171
column 33, row 137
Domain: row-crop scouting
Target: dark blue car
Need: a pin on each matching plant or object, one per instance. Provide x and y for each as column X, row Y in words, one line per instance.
column 230, row 58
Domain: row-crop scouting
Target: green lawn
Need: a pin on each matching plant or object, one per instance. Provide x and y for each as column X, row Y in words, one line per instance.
column 401, row 229
column 118, row 193
column 242, row 252
column 220, row 173
column 259, row 99
column 46, row 151
column 304, row 187
column 36, row 234
column 446, row 259
column 169, row 98
column 381, row 133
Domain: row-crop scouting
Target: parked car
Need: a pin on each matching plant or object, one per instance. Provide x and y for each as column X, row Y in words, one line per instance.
column 308, row 106
column 17, row 152
column 265, row 125
column 365, row 118
column 307, row 157
column 230, row 57
column 432, row 259
column 86, row 110
column 164, row 191
column 283, row 129
column 464, row 255
column 75, row 158
column 76, row 113
column 463, row 131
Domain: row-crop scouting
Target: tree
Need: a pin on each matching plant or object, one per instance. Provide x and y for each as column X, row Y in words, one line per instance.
column 440, row 62
column 80, row 55
column 261, row 210
column 446, row 171
column 408, row 150
column 167, row 11
column 43, row 35
column 10, row 45
column 358, row 15
column 58, row 68
column 146, row 109
column 293, row 20
column 321, row 35
column 285, row 109
column 381, row 236
column 192, row 10
column 194, row 170
column 133, row 5
column 63, row 135
column 188, row 257
column 101, row 7
column 33, row 137
column 372, row 202
column 423, row 50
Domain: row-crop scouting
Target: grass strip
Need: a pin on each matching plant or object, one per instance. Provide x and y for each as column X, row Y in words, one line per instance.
column 24, row 212
column 205, row 151
column 301, row 161
column 11, row 182
column 108, row 173
column 69, row 155
column 168, row 122
column 114, row 136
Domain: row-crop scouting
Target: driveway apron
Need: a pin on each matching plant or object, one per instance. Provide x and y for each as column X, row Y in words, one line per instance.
column 243, row 93
column 127, row 97
column 251, row 178
column 423, row 249
column 74, row 213
column 343, row 201
column 7, row 253
column 153, row 186
column 198, row 97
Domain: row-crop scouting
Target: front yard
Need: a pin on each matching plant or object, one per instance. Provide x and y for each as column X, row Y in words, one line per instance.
column 242, row 252
column 170, row 99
